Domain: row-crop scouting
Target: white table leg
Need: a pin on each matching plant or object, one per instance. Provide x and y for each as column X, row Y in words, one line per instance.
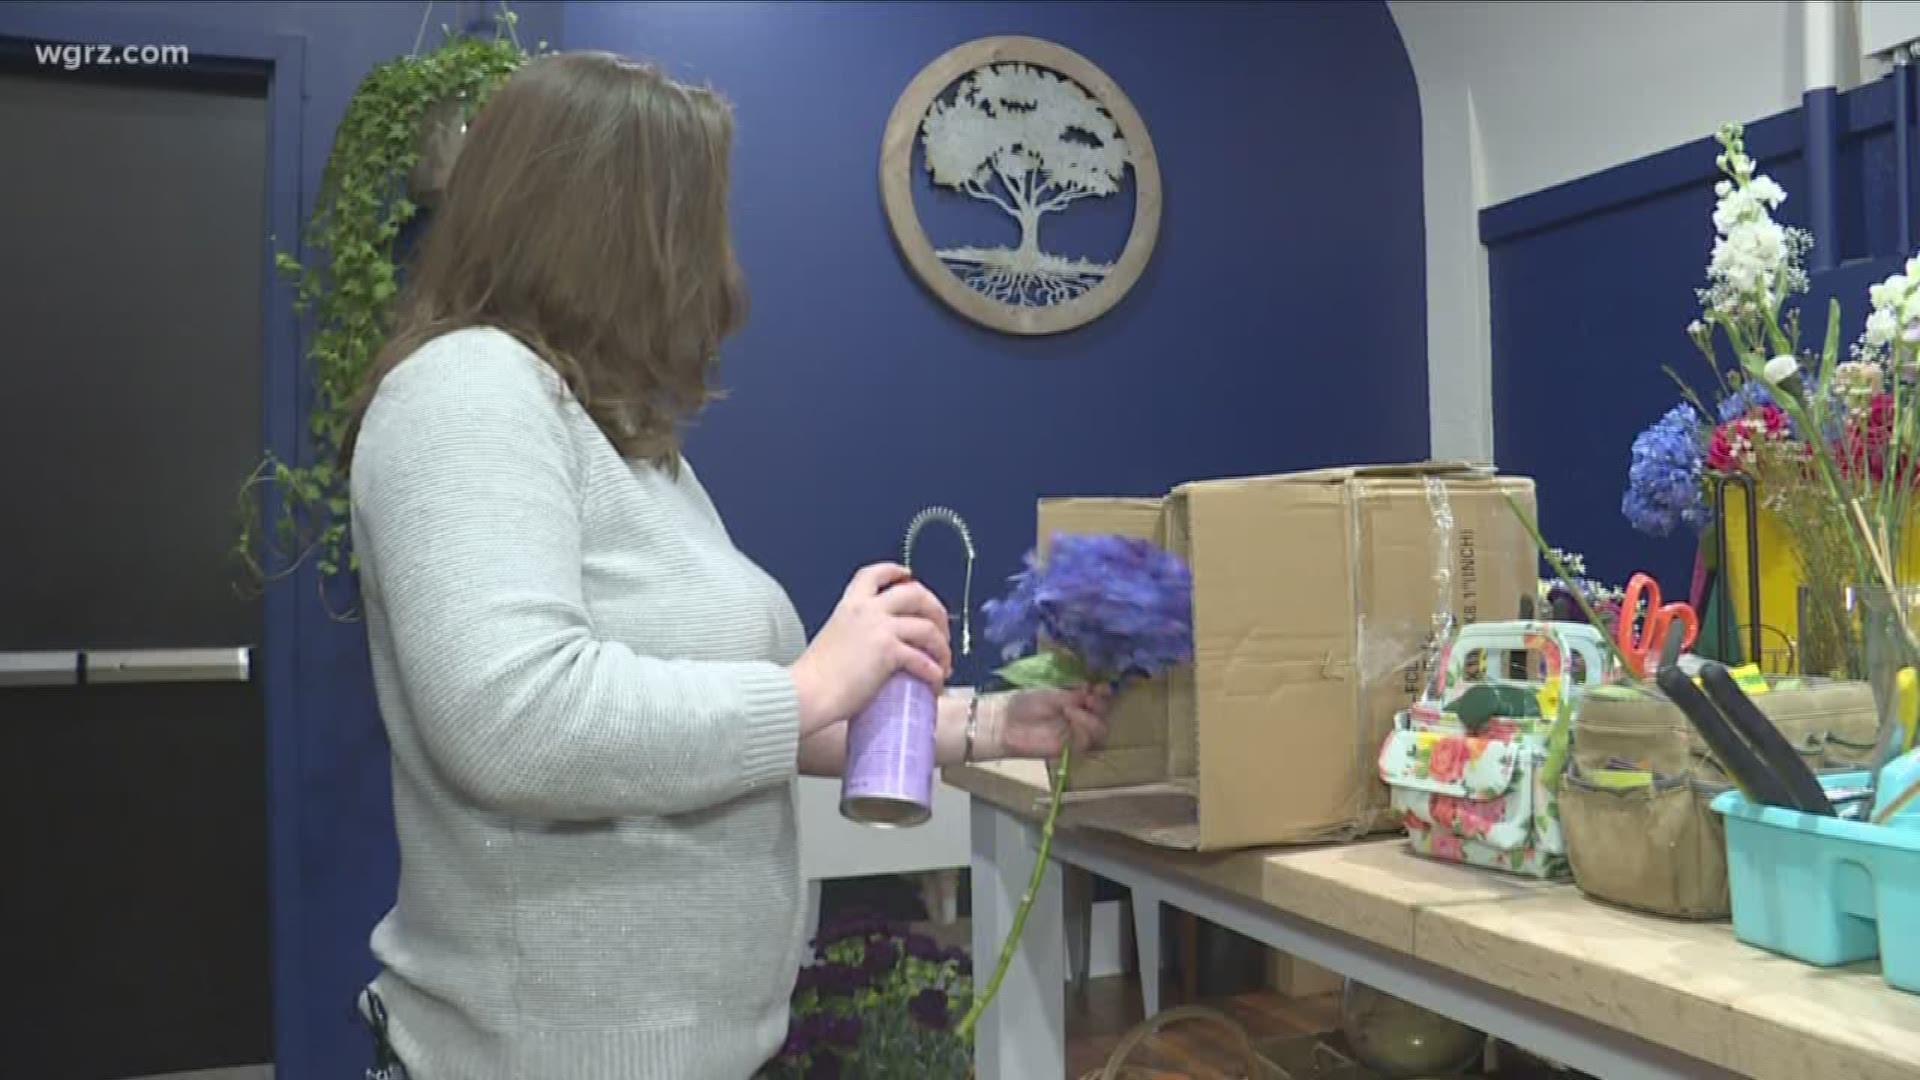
column 940, row 892
column 1146, row 937
column 1076, row 888
column 812, row 929
column 1022, row 1035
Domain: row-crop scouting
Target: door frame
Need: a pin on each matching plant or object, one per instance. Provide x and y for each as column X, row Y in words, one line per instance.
column 282, row 58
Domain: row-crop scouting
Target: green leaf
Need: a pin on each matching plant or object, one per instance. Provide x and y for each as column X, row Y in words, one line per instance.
column 1830, row 352
column 1044, row 670
column 349, row 283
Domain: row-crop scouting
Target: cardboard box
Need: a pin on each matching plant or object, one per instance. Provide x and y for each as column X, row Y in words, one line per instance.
column 1291, row 977
column 1319, row 599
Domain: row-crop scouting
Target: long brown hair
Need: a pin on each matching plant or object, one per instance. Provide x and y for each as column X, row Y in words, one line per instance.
column 587, row 216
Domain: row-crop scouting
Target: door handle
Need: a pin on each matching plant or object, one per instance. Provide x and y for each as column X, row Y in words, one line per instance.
column 167, row 665
column 39, row 668
column 126, row 666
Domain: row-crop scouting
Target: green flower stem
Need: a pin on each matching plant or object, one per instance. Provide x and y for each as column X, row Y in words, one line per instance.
column 1869, row 557
column 1902, row 479
column 1012, row 945
column 1842, row 493
column 1593, row 617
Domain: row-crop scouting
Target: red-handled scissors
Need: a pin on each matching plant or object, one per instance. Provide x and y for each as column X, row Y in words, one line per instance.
column 1642, row 649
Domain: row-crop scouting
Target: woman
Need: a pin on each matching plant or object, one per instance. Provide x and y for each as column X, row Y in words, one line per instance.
column 597, row 705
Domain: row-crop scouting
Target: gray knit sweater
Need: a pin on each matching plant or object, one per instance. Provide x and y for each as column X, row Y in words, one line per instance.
column 594, row 740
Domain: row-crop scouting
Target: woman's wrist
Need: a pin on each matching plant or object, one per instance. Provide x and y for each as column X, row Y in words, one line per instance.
column 970, row 728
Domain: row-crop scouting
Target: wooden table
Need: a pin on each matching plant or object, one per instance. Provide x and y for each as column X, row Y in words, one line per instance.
column 1612, row 993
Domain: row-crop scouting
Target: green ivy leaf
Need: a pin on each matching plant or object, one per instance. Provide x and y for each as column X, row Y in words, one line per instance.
column 348, row 285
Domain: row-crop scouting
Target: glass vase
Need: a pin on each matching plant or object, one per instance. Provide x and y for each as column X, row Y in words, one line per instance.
column 1399, row 1040
column 1886, row 636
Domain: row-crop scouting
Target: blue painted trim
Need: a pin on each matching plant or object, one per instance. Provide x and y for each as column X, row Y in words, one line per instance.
column 1686, row 165
column 1859, row 112
column 1903, row 154
column 1820, row 110
column 283, row 431
column 1909, row 170
column 1864, row 110
column 284, row 58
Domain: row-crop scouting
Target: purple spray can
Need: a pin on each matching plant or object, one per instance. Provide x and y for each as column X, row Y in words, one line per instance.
column 890, row 743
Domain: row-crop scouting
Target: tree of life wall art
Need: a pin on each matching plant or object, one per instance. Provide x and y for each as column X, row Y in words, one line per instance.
column 1028, row 131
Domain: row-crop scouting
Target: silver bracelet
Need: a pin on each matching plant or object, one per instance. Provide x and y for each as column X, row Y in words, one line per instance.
column 973, row 725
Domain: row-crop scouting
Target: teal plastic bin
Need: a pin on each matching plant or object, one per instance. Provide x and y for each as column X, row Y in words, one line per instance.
column 1823, row 890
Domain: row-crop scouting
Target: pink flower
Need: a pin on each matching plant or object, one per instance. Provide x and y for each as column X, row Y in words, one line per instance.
column 1476, row 818
column 1448, row 846
column 1443, row 808
column 1448, row 760
column 1734, row 445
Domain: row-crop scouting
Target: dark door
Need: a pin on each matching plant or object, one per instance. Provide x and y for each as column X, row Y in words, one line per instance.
column 133, row 903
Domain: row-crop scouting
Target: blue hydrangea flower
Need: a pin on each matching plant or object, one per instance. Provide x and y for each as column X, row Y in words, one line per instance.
column 1013, row 621
column 1664, row 490
column 1751, row 395
column 1120, row 604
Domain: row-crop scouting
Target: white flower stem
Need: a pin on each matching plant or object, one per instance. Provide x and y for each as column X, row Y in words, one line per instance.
column 1012, row 945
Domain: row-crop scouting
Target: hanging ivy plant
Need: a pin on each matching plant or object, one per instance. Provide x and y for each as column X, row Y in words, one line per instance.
column 347, row 287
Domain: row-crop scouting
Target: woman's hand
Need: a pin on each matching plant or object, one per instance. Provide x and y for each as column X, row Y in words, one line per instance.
column 885, row 622
column 1037, row 723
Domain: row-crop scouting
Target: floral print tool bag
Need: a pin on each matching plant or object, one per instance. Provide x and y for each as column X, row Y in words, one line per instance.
column 1474, row 765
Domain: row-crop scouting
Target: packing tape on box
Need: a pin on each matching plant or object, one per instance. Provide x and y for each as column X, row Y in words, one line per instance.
column 1405, row 650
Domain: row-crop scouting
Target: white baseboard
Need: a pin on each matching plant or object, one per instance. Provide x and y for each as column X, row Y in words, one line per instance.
column 242, row 1073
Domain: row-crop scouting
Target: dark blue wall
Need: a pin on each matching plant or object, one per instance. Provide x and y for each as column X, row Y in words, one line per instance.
column 1592, row 287
column 1281, row 323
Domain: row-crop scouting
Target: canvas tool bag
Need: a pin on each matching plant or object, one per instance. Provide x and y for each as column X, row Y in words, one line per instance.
column 1470, row 770
column 1635, row 794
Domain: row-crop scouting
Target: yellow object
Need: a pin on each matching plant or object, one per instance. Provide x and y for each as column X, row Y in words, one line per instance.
column 1749, row 678
column 1620, row 779
column 1780, row 578
column 1906, row 694
column 1549, row 698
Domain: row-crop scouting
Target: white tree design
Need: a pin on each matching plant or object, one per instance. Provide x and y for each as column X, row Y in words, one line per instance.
column 1031, row 142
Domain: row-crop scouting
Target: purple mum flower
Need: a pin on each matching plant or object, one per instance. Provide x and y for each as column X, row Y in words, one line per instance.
column 839, row 980
column 843, row 1031
column 799, row 1040
column 857, row 922
column 880, row 958
column 922, row 947
column 960, row 959
column 929, row 1009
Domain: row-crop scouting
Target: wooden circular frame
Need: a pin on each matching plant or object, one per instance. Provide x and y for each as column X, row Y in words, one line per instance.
column 896, row 185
